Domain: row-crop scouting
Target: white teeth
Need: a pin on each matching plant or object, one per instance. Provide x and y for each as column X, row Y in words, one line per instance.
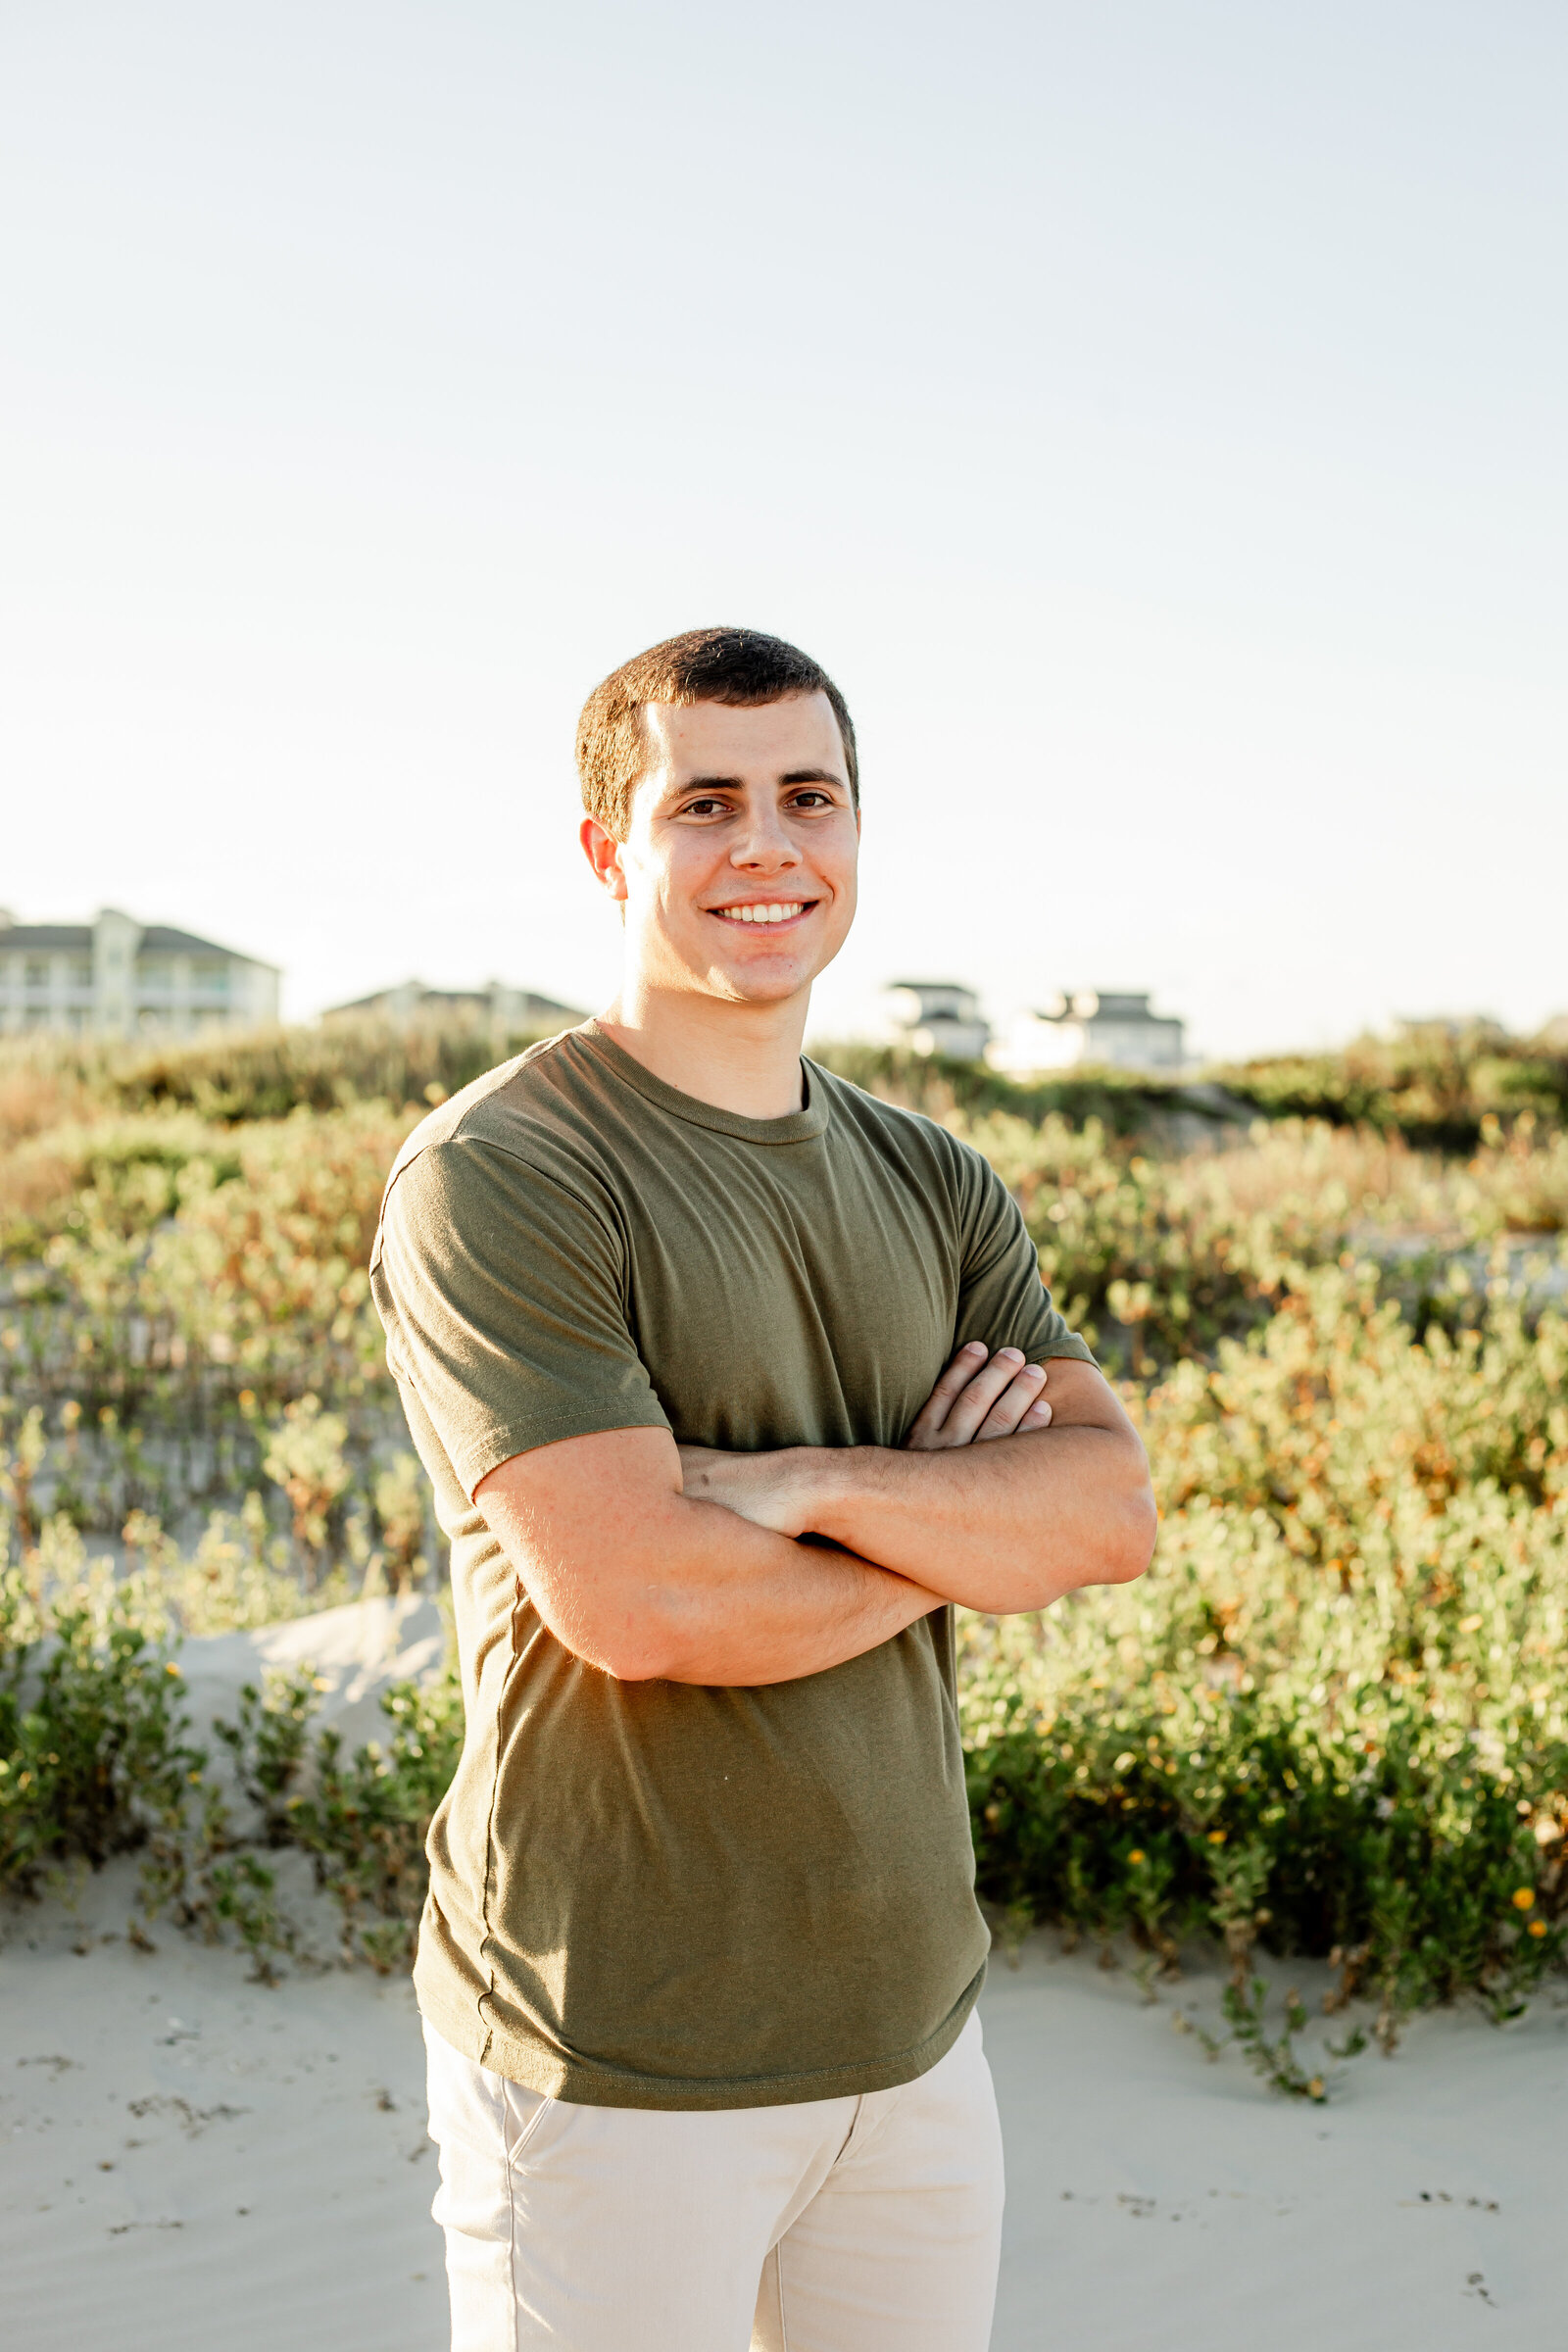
column 762, row 914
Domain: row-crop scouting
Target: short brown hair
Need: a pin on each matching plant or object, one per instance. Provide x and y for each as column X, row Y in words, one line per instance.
column 739, row 666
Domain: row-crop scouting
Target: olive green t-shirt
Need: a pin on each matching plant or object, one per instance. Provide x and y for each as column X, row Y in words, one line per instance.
column 657, row 1894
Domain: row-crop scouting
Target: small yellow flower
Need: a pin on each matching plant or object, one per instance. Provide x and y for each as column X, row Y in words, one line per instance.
column 1314, row 2090
column 1524, row 1898
column 1216, row 1836
column 172, row 1668
column 1538, row 1927
column 1138, row 1855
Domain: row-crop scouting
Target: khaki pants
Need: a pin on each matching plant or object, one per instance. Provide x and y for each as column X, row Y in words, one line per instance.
column 868, row 2225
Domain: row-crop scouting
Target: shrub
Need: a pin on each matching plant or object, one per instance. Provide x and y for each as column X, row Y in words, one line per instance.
column 92, row 1748
column 363, row 1820
column 306, row 1456
column 1434, row 1083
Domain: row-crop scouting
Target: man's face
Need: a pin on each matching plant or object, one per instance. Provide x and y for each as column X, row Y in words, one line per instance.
column 738, row 869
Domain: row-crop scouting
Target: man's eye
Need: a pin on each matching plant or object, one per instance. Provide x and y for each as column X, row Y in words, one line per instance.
column 706, row 807
column 812, row 799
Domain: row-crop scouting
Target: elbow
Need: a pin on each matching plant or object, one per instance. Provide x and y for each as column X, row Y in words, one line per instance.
column 1130, row 1536
column 623, row 1616
column 650, row 1643
column 625, row 1653
column 628, row 1664
column 1116, row 1547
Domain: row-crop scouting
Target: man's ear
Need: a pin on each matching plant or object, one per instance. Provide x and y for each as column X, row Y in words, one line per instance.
column 602, row 853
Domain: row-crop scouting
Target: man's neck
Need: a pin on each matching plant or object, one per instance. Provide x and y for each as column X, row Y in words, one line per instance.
column 743, row 1059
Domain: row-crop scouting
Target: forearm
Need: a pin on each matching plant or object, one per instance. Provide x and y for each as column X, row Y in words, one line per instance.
column 1000, row 1527
column 731, row 1603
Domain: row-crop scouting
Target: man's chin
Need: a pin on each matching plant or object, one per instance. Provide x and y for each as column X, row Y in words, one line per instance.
column 761, row 987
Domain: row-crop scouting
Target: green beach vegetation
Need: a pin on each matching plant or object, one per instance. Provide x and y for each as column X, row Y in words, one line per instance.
column 1333, row 1721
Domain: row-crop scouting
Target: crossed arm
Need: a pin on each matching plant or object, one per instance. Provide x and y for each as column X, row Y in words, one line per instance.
column 684, row 1564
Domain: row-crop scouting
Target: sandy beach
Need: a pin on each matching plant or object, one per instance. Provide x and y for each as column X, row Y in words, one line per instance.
column 191, row 2158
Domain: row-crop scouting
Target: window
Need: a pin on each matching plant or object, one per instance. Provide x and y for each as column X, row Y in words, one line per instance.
column 210, row 978
column 81, row 971
column 37, row 971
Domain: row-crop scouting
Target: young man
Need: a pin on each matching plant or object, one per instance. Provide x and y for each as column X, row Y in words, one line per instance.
column 670, row 1309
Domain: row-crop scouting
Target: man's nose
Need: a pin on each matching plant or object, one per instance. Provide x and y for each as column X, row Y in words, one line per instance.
column 765, row 841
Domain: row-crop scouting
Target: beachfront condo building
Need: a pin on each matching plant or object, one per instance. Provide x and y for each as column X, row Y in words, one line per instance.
column 1089, row 1026
column 121, row 978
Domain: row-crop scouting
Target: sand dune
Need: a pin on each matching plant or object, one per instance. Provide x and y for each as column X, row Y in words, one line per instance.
column 193, row 2161
column 355, row 1652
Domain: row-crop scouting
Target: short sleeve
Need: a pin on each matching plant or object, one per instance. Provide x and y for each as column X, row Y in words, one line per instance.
column 502, row 1294
column 1001, row 1299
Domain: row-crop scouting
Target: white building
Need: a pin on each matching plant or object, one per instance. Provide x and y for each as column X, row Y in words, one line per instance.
column 507, row 1008
column 938, row 1017
column 1091, row 1026
column 121, row 977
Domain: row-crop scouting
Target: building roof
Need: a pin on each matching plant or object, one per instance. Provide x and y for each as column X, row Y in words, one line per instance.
column 158, row 939
column 417, row 990
column 46, row 935
column 163, row 940
column 1106, row 1007
column 480, row 998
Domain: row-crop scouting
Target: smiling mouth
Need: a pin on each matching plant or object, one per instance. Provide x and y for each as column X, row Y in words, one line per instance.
column 765, row 910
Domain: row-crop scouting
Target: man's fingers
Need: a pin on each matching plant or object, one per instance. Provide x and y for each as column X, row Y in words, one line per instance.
column 981, row 1395
column 976, row 1398
column 1021, row 1405
column 957, row 1375
column 933, row 1413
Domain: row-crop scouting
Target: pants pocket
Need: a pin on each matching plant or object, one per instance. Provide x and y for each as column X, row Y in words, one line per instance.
column 527, row 2114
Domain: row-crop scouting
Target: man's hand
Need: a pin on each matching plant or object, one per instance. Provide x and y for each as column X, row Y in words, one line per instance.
column 774, row 1491
column 975, row 1400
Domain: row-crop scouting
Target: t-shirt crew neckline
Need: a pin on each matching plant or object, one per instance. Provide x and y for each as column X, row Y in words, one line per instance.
column 796, row 1127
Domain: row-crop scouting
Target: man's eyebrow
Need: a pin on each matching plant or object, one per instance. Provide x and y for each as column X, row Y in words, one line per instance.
column 796, row 775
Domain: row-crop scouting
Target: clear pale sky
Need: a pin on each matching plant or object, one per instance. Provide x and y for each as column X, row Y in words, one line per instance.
column 1151, row 414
